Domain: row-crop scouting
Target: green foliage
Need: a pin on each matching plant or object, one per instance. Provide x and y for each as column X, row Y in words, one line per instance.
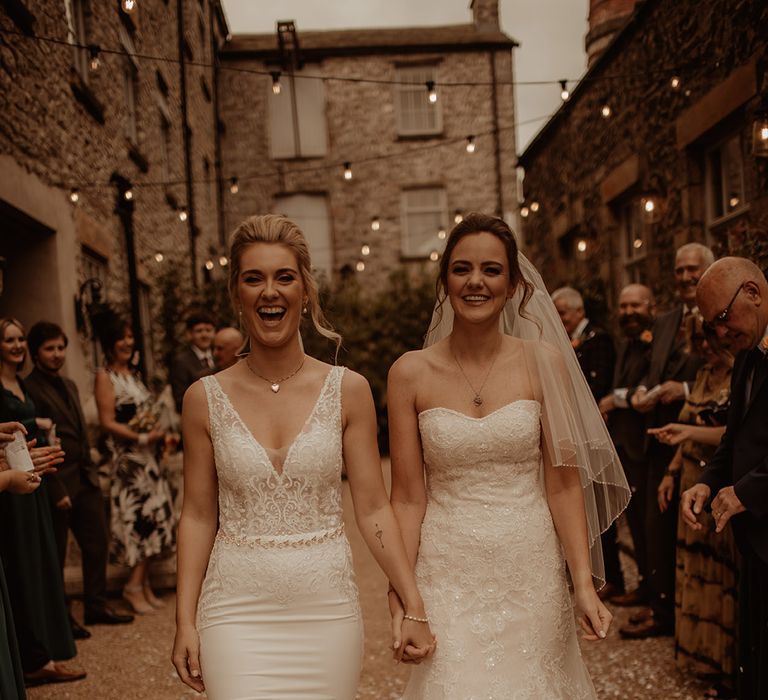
column 376, row 327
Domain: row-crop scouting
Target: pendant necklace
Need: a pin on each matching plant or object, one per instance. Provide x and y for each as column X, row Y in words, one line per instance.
column 275, row 385
column 478, row 399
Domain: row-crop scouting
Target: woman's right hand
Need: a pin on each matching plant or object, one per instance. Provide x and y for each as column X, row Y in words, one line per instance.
column 22, row 482
column 186, row 657
column 671, row 433
column 412, row 642
column 8, row 429
column 45, row 459
column 665, row 492
column 154, row 435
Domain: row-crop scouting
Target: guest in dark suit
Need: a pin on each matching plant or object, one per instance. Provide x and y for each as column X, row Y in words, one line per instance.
column 733, row 298
column 194, row 360
column 637, row 310
column 227, row 343
column 74, row 493
column 661, row 395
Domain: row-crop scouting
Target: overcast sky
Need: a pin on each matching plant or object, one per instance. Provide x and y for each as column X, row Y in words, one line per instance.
column 550, row 33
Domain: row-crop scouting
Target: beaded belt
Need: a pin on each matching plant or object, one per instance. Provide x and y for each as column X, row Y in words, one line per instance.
column 303, row 539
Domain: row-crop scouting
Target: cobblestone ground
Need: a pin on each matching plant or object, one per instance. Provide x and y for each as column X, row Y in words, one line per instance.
column 132, row 662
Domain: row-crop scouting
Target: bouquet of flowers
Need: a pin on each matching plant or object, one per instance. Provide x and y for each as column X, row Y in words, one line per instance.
column 147, row 417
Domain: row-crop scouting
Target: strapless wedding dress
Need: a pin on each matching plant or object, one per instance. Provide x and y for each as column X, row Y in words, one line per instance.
column 278, row 614
column 490, row 567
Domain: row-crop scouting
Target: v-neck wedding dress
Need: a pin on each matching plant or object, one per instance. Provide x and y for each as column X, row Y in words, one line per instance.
column 278, row 614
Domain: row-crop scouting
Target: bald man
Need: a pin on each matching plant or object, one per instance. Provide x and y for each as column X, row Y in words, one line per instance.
column 637, row 310
column 733, row 298
column 226, row 345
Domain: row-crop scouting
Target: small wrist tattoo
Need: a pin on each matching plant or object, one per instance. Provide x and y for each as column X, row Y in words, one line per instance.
column 379, row 535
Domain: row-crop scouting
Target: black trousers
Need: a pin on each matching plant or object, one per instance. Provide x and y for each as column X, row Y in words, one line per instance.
column 661, row 538
column 637, row 476
column 88, row 521
column 752, row 677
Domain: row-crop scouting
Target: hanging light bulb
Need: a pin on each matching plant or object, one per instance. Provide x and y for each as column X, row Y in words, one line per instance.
column 365, row 249
column 457, row 216
column 431, row 91
column 760, row 135
column 441, row 234
column 129, row 6
column 360, row 266
column 674, row 83
column 524, row 211
column 74, row 195
column 434, row 256
column 605, row 111
column 275, row 82
column 223, row 261
column 581, row 245
column 470, row 144
column 637, row 243
column 347, row 170
column 564, row 94
column 183, row 214
column 234, row 186
column 159, row 257
column 93, row 56
column 128, row 195
column 209, row 265
column 534, row 207
column 375, row 223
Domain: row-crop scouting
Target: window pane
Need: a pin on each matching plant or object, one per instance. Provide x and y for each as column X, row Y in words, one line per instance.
column 424, row 213
column 415, row 113
column 310, row 213
column 282, row 143
column 733, row 186
column 310, row 103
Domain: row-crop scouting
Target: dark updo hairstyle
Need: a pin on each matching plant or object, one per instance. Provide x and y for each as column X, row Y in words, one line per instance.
column 273, row 228
column 110, row 327
column 483, row 223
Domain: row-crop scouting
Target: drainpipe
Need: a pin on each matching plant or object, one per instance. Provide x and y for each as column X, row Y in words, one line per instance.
column 217, row 166
column 496, row 135
column 191, row 218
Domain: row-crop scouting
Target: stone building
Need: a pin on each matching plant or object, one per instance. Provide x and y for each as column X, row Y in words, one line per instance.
column 360, row 97
column 662, row 142
column 132, row 115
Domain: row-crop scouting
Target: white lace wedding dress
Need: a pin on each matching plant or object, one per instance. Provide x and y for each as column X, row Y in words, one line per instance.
column 490, row 565
column 278, row 614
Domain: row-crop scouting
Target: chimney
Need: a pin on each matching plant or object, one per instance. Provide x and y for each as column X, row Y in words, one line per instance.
column 485, row 14
column 606, row 19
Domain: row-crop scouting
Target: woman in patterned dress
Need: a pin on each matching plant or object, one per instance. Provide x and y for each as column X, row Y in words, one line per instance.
column 142, row 519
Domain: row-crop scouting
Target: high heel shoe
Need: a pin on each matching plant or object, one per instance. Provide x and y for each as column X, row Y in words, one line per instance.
column 134, row 596
column 152, row 599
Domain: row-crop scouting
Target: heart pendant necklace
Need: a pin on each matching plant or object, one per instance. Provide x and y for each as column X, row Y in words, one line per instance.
column 478, row 399
column 275, row 385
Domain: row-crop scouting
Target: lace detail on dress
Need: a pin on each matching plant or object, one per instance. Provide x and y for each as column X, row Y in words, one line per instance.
column 280, row 532
column 490, row 564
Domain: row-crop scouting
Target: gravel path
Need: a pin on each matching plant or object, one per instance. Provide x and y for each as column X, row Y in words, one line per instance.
column 132, row 662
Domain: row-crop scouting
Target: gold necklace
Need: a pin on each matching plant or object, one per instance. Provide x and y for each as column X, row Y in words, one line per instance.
column 275, row 385
column 478, row 399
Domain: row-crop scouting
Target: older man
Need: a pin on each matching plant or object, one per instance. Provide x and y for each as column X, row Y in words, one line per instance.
column 227, row 343
column 661, row 395
column 733, row 299
column 637, row 310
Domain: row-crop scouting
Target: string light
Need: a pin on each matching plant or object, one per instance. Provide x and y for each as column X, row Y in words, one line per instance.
column 275, row 82
column 760, row 135
column 581, row 245
column 637, row 243
column 649, row 206
column 74, row 195
column 183, row 214
column 564, row 94
column 360, row 266
column 470, row 144
column 674, row 82
column 441, row 234
column 734, row 201
column 434, row 256
column 534, row 207
column 347, row 170
column 129, row 6
column 223, row 261
column 209, row 265
column 128, row 195
column 431, row 91
column 234, row 186
column 457, row 216
column 365, row 249
column 605, row 111
column 93, row 54
column 159, row 257
column 524, row 211
column 375, row 223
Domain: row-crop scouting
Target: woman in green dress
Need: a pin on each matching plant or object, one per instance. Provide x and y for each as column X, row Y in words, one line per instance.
column 27, row 546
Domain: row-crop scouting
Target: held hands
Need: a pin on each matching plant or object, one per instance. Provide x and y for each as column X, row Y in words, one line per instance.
column 45, row 459
column 594, row 618
column 671, row 433
column 412, row 641
column 186, row 657
column 724, row 506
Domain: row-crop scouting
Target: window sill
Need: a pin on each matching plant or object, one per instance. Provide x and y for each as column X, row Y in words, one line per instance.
column 413, row 257
column 173, row 203
column 137, row 157
column 21, row 15
column 423, row 136
column 86, row 97
column 722, row 221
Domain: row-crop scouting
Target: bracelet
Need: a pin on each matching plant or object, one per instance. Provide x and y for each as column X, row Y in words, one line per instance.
column 143, row 439
column 674, row 473
column 425, row 620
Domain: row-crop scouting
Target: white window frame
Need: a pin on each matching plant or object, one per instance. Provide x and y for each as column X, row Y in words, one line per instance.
column 411, row 87
column 713, row 218
column 76, row 34
column 130, row 87
column 421, row 248
column 632, row 228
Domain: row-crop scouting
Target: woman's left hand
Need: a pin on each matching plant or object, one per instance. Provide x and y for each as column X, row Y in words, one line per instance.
column 45, row 459
column 665, row 492
column 594, row 618
column 418, row 642
column 671, row 433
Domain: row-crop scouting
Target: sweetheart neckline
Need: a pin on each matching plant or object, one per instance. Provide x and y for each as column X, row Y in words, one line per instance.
column 477, row 418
